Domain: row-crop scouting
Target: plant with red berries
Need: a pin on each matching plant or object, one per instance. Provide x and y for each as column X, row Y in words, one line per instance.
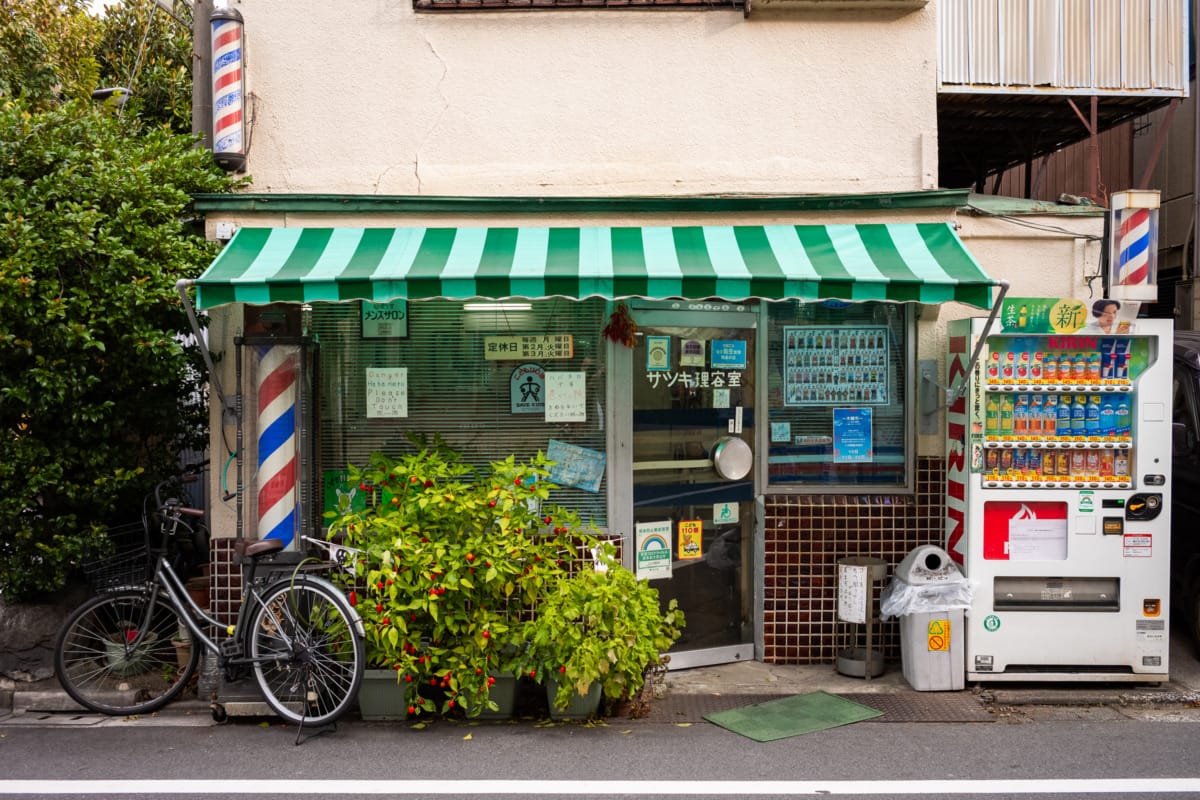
column 451, row 559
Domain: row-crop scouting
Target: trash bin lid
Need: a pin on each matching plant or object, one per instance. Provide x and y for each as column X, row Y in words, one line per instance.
column 928, row 564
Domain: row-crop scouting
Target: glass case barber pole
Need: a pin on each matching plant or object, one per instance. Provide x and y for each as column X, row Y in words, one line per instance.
column 1058, row 474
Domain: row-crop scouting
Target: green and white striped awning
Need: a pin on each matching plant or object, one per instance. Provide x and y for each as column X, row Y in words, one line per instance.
column 922, row 262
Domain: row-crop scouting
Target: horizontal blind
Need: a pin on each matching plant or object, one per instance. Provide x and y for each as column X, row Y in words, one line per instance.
column 453, row 391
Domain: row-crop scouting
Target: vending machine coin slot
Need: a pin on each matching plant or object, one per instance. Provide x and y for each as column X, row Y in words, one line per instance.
column 1143, row 507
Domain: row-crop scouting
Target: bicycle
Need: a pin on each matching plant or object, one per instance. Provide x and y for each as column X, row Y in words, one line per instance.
column 132, row 648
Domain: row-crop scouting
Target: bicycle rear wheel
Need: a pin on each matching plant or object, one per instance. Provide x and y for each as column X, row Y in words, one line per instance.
column 308, row 650
column 116, row 655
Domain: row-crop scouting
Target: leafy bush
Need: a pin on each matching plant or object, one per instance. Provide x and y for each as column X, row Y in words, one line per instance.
column 451, row 561
column 97, row 391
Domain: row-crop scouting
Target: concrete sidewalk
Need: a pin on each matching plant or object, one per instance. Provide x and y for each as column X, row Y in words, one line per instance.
column 692, row 692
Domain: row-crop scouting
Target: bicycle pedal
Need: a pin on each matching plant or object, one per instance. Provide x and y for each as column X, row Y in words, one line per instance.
column 231, row 648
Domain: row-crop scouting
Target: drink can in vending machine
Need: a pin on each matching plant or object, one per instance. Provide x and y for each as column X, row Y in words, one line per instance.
column 1020, row 463
column 1006, row 463
column 1062, row 464
column 991, row 462
column 1078, row 464
column 1049, row 464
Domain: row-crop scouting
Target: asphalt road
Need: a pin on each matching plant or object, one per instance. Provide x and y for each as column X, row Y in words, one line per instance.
column 1078, row 756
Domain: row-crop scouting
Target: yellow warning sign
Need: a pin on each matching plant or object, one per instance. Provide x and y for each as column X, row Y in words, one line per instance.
column 939, row 635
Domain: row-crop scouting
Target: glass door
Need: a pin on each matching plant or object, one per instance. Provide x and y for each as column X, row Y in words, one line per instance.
column 692, row 440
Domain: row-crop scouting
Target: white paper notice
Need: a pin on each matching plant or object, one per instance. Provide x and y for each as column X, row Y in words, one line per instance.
column 387, row 392
column 1037, row 540
column 852, row 593
column 566, row 397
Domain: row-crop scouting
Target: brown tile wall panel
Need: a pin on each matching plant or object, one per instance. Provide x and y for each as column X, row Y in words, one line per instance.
column 806, row 535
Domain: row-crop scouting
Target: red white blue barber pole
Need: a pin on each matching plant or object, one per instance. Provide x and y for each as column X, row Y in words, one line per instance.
column 229, row 125
column 276, row 393
column 1133, row 246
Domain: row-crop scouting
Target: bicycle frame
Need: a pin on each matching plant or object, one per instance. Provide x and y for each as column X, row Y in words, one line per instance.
column 194, row 617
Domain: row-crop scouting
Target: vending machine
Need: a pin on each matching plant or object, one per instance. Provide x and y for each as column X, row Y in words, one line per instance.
column 1058, row 474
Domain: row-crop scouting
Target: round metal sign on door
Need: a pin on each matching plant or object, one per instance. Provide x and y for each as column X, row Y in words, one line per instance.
column 732, row 458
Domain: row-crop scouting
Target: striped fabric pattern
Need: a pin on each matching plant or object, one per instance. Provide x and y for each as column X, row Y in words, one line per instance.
column 921, row 262
column 277, row 443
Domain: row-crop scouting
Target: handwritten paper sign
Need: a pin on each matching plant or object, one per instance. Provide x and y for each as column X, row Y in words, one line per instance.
column 852, row 593
column 387, row 392
column 566, row 397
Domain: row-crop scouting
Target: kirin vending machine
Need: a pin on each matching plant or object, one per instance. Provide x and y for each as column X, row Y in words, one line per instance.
column 1058, row 474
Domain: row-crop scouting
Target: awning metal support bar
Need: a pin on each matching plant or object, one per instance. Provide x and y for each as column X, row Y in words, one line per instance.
column 955, row 391
column 182, row 287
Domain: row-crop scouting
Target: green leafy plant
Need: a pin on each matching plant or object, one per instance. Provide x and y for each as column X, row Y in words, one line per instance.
column 450, row 563
column 599, row 625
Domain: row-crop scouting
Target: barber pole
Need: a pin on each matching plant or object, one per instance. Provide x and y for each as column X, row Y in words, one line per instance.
column 1133, row 246
column 228, row 140
column 276, row 391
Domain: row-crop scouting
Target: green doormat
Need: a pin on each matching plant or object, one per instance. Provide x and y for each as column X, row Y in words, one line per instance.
column 792, row 716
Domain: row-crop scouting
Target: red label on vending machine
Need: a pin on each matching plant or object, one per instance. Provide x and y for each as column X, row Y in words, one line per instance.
column 999, row 517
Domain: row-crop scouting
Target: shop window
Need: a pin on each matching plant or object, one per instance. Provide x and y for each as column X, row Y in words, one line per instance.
column 477, row 378
column 838, row 396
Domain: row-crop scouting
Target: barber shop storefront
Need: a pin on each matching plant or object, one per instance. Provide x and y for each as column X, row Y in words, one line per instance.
column 739, row 396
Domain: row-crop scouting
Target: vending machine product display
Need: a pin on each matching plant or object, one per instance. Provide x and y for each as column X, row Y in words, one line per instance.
column 1058, row 474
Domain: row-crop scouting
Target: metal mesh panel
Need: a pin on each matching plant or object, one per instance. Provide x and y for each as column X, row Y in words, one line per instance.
column 453, row 390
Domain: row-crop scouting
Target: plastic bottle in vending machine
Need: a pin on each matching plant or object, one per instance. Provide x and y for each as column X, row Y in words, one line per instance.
column 1093, row 368
column 1021, row 417
column 1106, row 464
column 1063, row 427
column 1092, row 463
column 1108, row 416
column 1079, row 368
column 1078, row 464
column 1050, row 367
column 1091, row 419
column 1121, row 464
column 991, row 416
column 1079, row 415
column 1124, row 426
column 1006, row 415
column 1050, row 416
column 1037, row 416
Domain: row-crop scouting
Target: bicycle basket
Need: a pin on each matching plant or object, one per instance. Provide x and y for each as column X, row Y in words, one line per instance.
column 124, row 561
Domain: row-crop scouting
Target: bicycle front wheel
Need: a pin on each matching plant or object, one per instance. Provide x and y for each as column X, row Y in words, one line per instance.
column 307, row 649
column 116, row 654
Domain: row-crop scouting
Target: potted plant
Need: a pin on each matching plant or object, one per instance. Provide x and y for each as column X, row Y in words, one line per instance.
column 449, row 562
column 595, row 634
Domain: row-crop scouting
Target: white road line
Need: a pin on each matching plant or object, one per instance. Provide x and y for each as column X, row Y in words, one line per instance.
column 405, row 787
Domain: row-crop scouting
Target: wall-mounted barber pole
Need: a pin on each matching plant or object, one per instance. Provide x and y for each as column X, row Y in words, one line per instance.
column 228, row 76
column 276, row 385
column 1133, row 245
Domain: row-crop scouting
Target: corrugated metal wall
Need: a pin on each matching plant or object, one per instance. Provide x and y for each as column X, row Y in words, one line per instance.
column 1063, row 46
column 1068, row 171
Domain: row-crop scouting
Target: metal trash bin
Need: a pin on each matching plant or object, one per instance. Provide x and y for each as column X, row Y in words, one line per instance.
column 929, row 593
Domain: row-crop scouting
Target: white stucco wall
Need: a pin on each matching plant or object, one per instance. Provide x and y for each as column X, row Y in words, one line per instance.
column 1040, row 256
column 368, row 97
